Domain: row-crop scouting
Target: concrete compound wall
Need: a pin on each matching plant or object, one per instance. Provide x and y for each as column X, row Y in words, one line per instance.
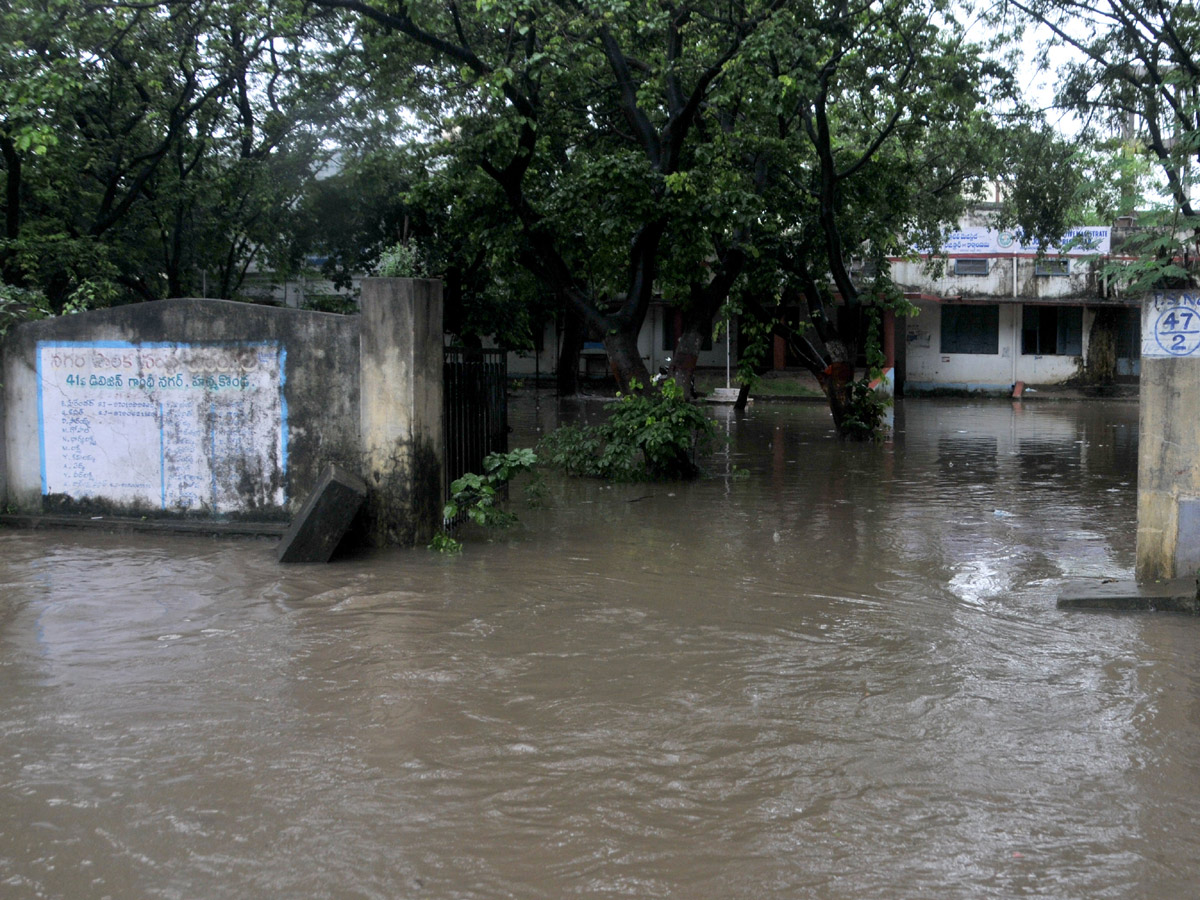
column 1168, row 515
column 212, row 409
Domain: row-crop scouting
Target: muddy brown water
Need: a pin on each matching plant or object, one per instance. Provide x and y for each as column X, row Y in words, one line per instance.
column 838, row 675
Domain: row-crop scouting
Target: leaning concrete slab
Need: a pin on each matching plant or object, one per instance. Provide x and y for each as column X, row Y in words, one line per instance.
column 324, row 519
column 1179, row 595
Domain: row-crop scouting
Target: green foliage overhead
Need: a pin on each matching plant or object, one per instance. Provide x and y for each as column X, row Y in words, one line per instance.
column 19, row 305
column 1133, row 78
column 401, row 261
column 410, row 195
column 620, row 154
column 150, row 149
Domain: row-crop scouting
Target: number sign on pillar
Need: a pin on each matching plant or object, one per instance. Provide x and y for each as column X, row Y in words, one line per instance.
column 178, row 427
column 1171, row 326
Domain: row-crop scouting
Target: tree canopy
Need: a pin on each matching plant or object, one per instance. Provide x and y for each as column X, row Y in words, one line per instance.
column 687, row 150
column 1133, row 77
column 578, row 158
column 149, row 146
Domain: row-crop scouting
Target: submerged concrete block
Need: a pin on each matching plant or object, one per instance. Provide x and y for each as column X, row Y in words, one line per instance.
column 1178, row 595
column 325, row 517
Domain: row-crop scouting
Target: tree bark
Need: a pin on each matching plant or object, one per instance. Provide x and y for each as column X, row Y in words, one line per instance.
column 12, row 210
column 683, row 363
column 567, row 376
column 705, row 302
column 836, row 381
column 625, row 360
column 1101, row 364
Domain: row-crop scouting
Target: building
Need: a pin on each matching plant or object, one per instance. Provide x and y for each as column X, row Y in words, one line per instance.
column 996, row 314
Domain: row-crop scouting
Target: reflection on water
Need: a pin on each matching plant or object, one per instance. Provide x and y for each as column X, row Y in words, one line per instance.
column 842, row 676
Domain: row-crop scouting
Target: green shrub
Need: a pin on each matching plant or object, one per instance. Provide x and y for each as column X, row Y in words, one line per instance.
column 864, row 416
column 653, row 435
column 401, row 261
column 19, row 305
column 443, row 543
column 477, row 496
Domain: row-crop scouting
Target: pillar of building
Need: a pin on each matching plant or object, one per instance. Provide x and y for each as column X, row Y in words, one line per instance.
column 400, row 417
column 1168, row 513
column 779, row 354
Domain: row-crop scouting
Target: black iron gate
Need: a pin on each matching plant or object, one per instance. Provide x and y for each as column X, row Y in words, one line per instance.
column 476, row 411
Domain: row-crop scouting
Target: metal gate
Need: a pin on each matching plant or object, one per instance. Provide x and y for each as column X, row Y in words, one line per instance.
column 476, row 410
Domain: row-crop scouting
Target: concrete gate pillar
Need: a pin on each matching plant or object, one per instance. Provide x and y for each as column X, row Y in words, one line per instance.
column 1168, row 514
column 401, row 408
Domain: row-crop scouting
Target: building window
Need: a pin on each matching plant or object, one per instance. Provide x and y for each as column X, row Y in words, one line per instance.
column 971, row 329
column 971, row 266
column 1051, row 266
column 1052, row 330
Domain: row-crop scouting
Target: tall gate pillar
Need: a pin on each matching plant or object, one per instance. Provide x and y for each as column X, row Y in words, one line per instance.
column 401, row 408
column 1168, row 514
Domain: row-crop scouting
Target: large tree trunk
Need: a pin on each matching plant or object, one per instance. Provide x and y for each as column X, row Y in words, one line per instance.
column 625, row 360
column 836, row 381
column 683, row 363
column 1101, row 364
column 12, row 273
column 697, row 324
column 567, row 375
column 838, row 349
column 704, row 303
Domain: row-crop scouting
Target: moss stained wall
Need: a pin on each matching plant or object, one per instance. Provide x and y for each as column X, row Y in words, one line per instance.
column 320, row 391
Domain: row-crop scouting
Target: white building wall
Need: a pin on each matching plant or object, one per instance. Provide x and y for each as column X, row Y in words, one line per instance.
column 928, row 368
column 526, row 364
column 999, row 283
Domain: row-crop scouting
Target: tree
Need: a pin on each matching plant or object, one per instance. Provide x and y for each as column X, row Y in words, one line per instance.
column 590, row 121
column 689, row 149
column 1135, row 75
column 384, row 195
column 146, row 143
column 878, row 130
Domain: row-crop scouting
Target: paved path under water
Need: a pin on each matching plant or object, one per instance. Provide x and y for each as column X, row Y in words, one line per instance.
column 840, row 676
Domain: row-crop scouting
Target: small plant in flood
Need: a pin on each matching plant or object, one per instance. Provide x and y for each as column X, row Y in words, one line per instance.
column 477, row 496
column 443, row 543
column 864, row 416
column 650, row 436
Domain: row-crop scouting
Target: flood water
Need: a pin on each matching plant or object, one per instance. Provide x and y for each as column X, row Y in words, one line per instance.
column 838, row 675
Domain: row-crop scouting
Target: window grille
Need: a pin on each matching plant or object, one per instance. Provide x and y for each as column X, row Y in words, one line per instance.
column 1050, row 266
column 971, row 329
column 971, row 266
